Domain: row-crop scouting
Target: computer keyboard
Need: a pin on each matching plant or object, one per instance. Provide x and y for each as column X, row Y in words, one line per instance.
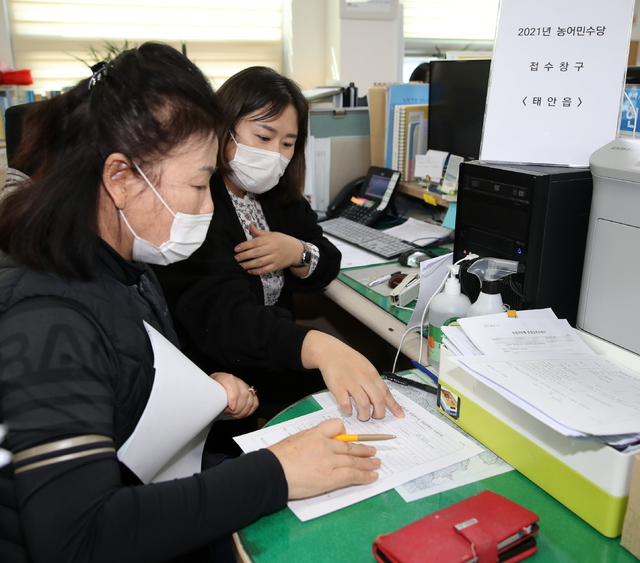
column 366, row 237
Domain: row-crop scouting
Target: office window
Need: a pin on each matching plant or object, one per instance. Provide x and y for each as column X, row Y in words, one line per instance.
column 433, row 27
column 221, row 36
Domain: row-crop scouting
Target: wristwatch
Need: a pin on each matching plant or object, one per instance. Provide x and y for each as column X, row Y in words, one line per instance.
column 306, row 257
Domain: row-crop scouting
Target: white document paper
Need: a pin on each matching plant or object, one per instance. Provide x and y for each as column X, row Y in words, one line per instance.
column 353, row 256
column 169, row 439
column 450, row 182
column 594, row 395
column 432, row 273
column 423, row 444
column 481, row 466
column 521, row 403
column 418, row 232
column 430, row 165
column 5, row 456
column 531, row 332
column 458, row 342
column 317, row 180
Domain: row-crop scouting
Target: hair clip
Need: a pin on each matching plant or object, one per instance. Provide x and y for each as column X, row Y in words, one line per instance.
column 98, row 70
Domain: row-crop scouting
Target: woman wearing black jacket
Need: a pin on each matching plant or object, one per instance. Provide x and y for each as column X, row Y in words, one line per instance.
column 232, row 300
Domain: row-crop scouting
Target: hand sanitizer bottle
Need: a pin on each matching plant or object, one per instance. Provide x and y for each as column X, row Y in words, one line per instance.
column 445, row 309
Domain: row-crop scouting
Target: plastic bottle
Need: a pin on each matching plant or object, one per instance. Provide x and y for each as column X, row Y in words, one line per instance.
column 445, row 309
column 490, row 271
column 489, row 300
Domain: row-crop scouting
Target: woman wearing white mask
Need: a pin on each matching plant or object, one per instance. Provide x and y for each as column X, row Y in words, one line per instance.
column 232, row 301
column 121, row 165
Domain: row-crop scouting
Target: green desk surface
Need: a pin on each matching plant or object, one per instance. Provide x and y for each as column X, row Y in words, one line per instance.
column 347, row 534
column 380, row 300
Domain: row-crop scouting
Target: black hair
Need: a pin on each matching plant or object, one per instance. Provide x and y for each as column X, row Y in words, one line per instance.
column 422, row 73
column 262, row 89
column 143, row 104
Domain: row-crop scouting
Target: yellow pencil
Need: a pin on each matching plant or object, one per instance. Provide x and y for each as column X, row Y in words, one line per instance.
column 363, row 437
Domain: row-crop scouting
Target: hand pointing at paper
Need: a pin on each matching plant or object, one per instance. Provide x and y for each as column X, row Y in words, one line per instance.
column 348, row 374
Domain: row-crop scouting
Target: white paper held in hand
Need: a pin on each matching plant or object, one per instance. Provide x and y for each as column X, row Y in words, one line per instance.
column 168, row 440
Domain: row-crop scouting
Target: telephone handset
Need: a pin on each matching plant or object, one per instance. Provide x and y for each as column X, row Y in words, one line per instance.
column 365, row 199
column 349, row 190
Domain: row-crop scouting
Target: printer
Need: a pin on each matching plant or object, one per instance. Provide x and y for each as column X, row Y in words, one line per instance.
column 609, row 305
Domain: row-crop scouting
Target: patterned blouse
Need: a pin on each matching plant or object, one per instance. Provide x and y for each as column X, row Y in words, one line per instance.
column 249, row 210
column 13, row 179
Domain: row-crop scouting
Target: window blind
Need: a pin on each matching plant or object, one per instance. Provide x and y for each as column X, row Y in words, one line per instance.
column 53, row 37
column 447, row 24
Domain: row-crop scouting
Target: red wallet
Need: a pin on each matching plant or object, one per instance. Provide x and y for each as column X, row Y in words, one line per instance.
column 485, row 528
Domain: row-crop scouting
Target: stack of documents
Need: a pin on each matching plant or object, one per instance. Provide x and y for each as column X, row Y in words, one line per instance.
column 541, row 364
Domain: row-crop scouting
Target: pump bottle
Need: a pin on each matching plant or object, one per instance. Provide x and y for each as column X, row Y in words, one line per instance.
column 445, row 309
column 490, row 271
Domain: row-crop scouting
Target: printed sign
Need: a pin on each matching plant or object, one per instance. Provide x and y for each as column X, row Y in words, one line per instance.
column 557, row 77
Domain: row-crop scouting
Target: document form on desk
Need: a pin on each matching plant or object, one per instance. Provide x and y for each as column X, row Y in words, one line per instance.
column 424, row 444
column 531, row 332
column 458, row 343
column 541, row 364
column 494, row 333
column 585, row 395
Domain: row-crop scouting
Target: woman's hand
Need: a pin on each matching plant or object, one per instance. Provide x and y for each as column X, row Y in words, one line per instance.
column 347, row 373
column 315, row 463
column 269, row 251
column 242, row 400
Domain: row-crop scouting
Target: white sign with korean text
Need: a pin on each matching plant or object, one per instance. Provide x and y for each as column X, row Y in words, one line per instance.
column 556, row 83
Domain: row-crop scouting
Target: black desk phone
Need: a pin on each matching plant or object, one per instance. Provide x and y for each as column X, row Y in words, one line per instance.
column 365, row 200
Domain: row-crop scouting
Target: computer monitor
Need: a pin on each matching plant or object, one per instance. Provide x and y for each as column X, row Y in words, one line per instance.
column 633, row 75
column 457, row 97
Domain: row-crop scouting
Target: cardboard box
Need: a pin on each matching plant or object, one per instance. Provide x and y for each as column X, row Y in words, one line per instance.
column 590, row 478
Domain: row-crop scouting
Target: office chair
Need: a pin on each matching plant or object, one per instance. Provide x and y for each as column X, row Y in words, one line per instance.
column 13, row 117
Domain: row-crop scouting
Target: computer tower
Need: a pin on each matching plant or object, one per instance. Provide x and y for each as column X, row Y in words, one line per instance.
column 536, row 215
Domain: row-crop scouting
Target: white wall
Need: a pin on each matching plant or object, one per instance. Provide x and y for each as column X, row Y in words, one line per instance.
column 635, row 29
column 366, row 51
column 309, row 43
column 6, row 51
column 371, row 51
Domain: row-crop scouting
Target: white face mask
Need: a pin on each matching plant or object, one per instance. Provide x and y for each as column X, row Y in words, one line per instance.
column 187, row 235
column 256, row 170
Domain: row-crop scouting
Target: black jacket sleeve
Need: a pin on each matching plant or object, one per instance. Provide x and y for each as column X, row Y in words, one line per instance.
column 79, row 510
column 218, row 308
